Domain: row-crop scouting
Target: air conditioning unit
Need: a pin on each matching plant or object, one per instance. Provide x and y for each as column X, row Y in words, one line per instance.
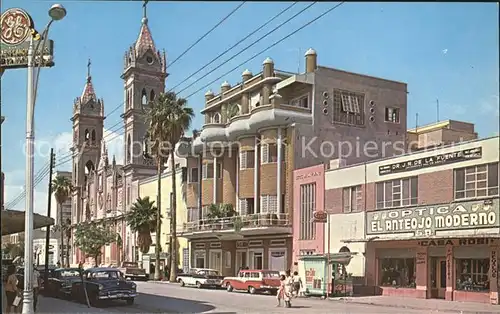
column 337, row 163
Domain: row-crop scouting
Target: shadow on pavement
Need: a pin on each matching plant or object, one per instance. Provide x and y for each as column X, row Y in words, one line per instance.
column 161, row 304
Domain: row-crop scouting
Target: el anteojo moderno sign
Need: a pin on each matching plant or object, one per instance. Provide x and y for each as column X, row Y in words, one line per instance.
column 426, row 220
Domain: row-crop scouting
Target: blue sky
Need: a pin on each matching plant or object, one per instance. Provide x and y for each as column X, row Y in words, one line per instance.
column 445, row 51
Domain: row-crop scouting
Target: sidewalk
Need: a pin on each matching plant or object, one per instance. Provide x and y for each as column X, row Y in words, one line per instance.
column 430, row 305
column 53, row 305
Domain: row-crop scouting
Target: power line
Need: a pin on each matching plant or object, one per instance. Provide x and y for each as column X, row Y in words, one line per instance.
column 207, row 33
column 269, row 47
column 249, row 46
column 230, row 48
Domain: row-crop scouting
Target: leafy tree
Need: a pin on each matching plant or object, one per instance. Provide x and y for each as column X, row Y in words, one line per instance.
column 216, row 211
column 168, row 120
column 142, row 218
column 62, row 187
column 91, row 237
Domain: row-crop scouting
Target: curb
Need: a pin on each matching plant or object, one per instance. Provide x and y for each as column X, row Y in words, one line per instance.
column 409, row 307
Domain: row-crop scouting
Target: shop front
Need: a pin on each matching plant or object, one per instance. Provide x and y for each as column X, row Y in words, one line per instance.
column 229, row 256
column 454, row 260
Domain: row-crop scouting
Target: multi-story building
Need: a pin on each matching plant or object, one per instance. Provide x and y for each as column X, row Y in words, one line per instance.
column 2, row 194
column 149, row 188
column 105, row 190
column 423, row 225
column 440, row 133
column 260, row 130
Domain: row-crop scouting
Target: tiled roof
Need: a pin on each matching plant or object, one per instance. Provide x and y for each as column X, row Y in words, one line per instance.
column 145, row 40
column 88, row 91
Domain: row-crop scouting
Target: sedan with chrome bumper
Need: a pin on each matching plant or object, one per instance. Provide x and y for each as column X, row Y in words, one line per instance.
column 103, row 283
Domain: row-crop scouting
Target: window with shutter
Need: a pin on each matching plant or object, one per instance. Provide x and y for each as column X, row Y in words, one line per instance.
column 243, row 206
column 204, row 171
column 264, row 153
column 243, row 160
column 264, row 204
column 272, row 204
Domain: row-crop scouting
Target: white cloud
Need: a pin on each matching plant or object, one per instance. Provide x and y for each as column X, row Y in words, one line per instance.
column 62, row 142
column 444, row 51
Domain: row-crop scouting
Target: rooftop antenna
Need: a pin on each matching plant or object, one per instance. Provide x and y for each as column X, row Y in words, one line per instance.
column 416, row 122
column 437, row 110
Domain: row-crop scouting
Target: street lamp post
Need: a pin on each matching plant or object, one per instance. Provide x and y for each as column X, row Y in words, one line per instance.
column 56, row 12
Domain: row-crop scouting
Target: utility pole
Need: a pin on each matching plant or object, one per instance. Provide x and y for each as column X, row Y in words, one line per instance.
column 49, row 204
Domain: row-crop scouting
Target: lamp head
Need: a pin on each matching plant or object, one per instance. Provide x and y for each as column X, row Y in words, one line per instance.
column 57, row 12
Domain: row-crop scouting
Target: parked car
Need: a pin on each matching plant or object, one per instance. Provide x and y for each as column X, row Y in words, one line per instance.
column 104, row 283
column 200, row 277
column 132, row 271
column 61, row 281
column 254, row 281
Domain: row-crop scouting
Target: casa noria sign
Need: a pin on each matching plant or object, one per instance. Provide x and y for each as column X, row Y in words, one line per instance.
column 431, row 161
column 426, row 220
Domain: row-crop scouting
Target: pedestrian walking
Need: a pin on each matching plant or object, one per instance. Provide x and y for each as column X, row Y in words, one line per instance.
column 36, row 286
column 297, row 283
column 12, row 291
column 287, row 291
column 281, row 290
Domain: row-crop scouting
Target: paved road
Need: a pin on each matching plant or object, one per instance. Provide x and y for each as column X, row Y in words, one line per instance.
column 171, row 298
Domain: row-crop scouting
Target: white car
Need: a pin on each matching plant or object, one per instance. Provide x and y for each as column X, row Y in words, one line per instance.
column 200, row 278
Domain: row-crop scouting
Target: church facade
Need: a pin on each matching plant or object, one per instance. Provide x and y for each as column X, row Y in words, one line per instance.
column 105, row 190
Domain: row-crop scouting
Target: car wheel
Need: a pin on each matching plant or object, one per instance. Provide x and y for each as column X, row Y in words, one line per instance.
column 229, row 288
column 130, row 301
column 182, row 283
column 198, row 285
column 252, row 290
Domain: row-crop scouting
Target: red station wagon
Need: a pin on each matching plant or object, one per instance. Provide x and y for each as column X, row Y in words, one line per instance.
column 254, row 281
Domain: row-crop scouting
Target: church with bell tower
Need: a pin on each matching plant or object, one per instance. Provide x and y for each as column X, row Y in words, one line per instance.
column 105, row 190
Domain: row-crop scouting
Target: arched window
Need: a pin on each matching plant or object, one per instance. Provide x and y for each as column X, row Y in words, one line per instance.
column 216, row 118
column 129, row 151
column 93, row 136
column 87, row 135
column 89, row 167
column 144, row 97
column 152, row 95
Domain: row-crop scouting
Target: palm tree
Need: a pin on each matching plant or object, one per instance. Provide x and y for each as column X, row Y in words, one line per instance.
column 62, row 187
column 169, row 118
column 142, row 219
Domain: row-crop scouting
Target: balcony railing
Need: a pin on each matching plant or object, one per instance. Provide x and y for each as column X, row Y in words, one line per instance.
column 238, row 223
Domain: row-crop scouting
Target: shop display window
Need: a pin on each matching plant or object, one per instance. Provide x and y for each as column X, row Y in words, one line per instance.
column 472, row 275
column 397, row 272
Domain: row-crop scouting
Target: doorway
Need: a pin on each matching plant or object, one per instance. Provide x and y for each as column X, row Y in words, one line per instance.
column 438, row 277
column 241, row 260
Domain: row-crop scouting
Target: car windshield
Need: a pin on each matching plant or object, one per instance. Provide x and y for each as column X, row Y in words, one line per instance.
column 130, row 264
column 209, row 272
column 270, row 274
column 106, row 275
column 70, row 273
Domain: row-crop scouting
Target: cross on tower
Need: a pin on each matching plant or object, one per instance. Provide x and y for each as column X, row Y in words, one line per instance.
column 144, row 9
column 88, row 69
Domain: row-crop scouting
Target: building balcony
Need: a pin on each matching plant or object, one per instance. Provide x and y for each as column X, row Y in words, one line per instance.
column 237, row 227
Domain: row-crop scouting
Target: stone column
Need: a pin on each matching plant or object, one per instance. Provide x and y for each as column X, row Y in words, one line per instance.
column 279, row 171
column 422, row 282
column 450, row 273
column 493, row 275
column 256, row 176
column 215, row 180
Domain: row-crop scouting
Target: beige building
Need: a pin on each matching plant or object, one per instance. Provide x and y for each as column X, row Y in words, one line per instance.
column 255, row 134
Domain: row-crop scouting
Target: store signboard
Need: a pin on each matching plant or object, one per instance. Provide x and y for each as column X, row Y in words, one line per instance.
column 426, row 220
column 431, row 161
column 17, row 26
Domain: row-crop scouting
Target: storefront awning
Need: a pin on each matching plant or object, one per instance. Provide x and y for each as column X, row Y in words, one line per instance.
column 340, row 258
column 13, row 221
